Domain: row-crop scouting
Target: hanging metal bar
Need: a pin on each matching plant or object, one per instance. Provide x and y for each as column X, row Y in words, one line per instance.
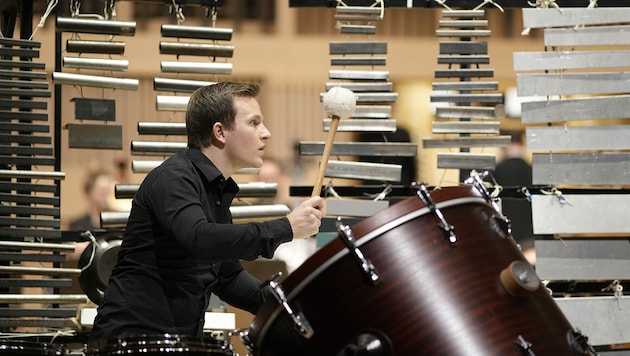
column 4, row 63
column 200, row 32
column 196, row 49
column 588, row 36
column 465, row 127
column 463, row 59
column 466, row 160
column 466, row 86
column 456, row 112
column 364, row 170
column 372, row 112
column 363, row 97
column 361, row 86
column 94, row 81
column 572, row 83
column 524, row 61
column 365, row 47
column 171, row 103
column 483, row 141
column 363, row 125
column 196, row 67
column 154, row 148
column 358, row 61
column 397, row 149
column 539, row 18
column 594, row 108
column 96, row 26
column 103, row 47
column 178, row 85
column 358, row 74
column 358, row 29
column 161, row 128
column 119, row 65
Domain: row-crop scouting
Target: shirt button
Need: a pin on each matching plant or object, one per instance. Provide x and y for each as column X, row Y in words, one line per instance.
column 218, row 202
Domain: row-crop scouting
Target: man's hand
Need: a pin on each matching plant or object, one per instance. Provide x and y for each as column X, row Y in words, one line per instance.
column 306, row 218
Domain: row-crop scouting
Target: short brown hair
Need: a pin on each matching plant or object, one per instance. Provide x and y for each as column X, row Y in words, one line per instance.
column 211, row 104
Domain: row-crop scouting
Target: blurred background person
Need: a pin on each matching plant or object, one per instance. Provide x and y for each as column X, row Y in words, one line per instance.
column 98, row 190
column 514, row 171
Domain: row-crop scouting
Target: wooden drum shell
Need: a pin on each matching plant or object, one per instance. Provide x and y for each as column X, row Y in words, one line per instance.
column 433, row 297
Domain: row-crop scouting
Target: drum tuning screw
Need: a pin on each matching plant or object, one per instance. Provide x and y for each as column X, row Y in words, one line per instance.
column 524, row 346
column 523, row 276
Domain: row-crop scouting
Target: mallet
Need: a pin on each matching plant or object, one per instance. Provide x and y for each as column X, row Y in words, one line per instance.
column 339, row 103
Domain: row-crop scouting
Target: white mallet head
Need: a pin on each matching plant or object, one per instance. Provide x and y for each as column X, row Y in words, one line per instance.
column 340, row 102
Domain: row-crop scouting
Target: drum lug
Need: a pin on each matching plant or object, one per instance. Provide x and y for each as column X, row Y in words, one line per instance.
column 299, row 321
column 505, row 225
column 447, row 229
column 580, row 343
column 243, row 334
column 523, row 346
column 348, row 239
column 477, row 181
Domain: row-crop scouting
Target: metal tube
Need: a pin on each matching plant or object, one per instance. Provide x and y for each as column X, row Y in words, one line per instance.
column 196, row 49
column 110, row 219
column 95, row 26
column 144, row 166
column 114, row 219
column 161, row 128
column 94, row 81
column 178, row 85
column 200, row 32
column 104, row 47
column 171, row 103
column 259, row 211
column 156, row 147
column 125, row 191
column 36, row 246
column 196, row 67
column 43, row 298
column 9, row 173
column 120, row 65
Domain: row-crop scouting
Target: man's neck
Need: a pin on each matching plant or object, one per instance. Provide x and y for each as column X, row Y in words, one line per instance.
column 217, row 156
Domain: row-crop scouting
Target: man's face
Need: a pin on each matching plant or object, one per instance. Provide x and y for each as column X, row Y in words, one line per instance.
column 246, row 142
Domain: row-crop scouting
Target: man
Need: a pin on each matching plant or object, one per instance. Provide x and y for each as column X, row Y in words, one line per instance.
column 179, row 245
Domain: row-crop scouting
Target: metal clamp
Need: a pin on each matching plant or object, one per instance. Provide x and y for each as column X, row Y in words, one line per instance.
column 476, row 179
column 299, row 321
column 446, row 228
column 348, row 238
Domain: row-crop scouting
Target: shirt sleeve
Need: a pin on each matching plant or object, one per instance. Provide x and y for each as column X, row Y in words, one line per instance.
column 240, row 288
column 178, row 200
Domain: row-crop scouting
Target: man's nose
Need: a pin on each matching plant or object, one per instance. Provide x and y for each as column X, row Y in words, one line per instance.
column 265, row 132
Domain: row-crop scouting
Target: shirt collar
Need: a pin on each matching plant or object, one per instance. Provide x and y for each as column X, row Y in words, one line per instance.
column 210, row 171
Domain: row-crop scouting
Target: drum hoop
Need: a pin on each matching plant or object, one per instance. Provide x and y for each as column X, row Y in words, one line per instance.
column 361, row 241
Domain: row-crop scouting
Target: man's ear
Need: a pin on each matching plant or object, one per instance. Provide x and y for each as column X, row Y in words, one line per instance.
column 218, row 132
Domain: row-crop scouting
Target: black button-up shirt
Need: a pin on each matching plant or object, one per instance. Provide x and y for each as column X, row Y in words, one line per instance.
column 178, row 248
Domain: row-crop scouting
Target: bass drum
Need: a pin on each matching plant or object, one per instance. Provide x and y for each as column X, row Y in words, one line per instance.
column 11, row 347
column 155, row 345
column 474, row 295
